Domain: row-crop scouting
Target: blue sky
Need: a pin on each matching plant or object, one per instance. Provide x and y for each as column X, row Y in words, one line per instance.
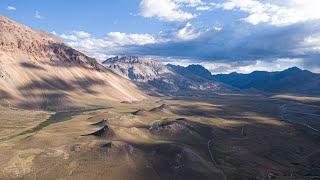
column 222, row 35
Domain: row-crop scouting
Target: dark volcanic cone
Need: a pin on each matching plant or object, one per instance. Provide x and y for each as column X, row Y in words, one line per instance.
column 99, row 133
column 100, row 123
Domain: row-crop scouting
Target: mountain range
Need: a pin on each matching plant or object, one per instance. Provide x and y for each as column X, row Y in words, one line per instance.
column 151, row 74
column 292, row 80
column 38, row 70
column 196, row 78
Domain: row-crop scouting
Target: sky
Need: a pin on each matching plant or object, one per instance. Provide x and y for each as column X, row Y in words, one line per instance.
column 222, row 35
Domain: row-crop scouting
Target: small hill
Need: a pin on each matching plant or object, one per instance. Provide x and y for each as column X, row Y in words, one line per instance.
column 163, row 108
column 140, row 112
column 101, row 132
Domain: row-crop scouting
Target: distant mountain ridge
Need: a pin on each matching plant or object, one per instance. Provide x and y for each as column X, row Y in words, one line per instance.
column 193, row 69
column 292, row 80
column 151, row 74
column 175, row 78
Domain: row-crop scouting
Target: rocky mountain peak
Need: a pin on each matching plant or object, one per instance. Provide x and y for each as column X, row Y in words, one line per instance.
column 133, row 60
column 169, row 78
column 136, row 68
column 293, row 70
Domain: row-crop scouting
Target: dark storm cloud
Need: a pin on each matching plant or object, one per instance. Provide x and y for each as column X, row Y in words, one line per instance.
column 242, row 42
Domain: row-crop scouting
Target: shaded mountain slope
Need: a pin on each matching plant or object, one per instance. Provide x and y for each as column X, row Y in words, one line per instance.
column 292, row 80
column 38, row 70
column 192, row 71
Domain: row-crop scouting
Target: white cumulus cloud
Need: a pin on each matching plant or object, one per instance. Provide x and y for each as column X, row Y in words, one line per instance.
column 130, row 39
column 82, row 34
column 167, row 10
column 282, row 13
column 113, row 42
column 69, row 37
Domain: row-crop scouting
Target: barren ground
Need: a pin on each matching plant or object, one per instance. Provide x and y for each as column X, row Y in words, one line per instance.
column 247, row 136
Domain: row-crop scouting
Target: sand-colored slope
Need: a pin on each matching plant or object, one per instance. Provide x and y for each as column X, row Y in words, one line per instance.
column 37, row 70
